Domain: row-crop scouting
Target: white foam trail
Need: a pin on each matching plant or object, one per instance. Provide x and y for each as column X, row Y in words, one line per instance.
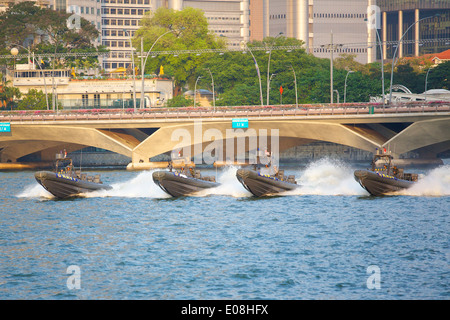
column 141, row 186
column 327, row 177
column 323, row 177
column 35, row 191
column 229, row 185
column 434, row 183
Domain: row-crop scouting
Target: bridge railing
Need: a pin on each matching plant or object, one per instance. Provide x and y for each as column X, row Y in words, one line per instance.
column 226, row 112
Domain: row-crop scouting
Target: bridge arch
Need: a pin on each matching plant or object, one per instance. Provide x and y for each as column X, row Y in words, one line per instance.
column 421, row 134
column 27, row 139
column 291, row 133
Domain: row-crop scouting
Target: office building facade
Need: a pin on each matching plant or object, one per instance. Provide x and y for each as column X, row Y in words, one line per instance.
column 428, row 33
column 227, row 18
column 120, row 20
column 321, row 24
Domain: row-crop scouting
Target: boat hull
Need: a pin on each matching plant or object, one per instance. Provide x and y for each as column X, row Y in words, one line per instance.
column 260, row 185
column 378, row 184
column 178, row 185
column 65, row 186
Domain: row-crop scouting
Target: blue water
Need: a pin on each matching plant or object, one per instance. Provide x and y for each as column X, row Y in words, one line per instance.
column 134, row 242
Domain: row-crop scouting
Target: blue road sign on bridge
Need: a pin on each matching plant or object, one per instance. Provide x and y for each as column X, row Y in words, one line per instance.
column 240, row 123
column 5, row 127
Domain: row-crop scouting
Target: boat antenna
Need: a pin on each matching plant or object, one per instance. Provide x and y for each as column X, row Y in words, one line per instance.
column 81, row 158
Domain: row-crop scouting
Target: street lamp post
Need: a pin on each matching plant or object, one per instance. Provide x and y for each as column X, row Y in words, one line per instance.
column 14, row 52
column 295, row 82
column 268, row 85
column 243, row 46
column 143, row 62
column 395, row 53
column 382, row 66
column 331, row 47
column 382, row 63
column 426, row 83
column 134, row 70
column 212, row 83
column 54, row 108
column 331, row 68
column 345, row 83
column 268, row 69
column 195, row 89
column 337, row 94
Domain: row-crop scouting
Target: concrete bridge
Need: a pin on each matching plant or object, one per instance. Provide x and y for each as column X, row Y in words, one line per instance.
column 419, row 126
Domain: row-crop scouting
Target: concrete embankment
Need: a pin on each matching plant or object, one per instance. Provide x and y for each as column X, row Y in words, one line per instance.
column 11, row 166
column 300, row 154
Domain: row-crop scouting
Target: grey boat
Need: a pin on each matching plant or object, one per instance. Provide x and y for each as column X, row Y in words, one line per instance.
column 264, row 180
column 65, row 182
column 260, row 184
column 183, row 183
column 384, row 179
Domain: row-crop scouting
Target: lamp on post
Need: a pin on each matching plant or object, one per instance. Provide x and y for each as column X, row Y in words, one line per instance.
column 143, row 62
column 15, row 52
column 195, row 89
column 426, row 83
column 331, row 47
column 268, row 69
column 395, row 53
column 382, row 68
column 295, row 83
column 268, row 85
column 382, row 63
column 337, row 94
column 345, row 83
column 212, row 83
column 134, row 70
column 243, row 47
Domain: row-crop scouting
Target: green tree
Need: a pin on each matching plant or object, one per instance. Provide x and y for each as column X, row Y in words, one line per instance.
column 236, row 77
column 346, row 61
column 438, row 78
column 190, row 32
column 241, row 95
column 180, row 101
column 24, row 20
column 34, row 100
column 8, row 97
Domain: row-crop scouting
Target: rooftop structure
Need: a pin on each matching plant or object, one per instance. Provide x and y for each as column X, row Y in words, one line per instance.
column 92, row 92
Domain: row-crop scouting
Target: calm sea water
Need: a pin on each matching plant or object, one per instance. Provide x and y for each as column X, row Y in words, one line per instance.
column 328, row 240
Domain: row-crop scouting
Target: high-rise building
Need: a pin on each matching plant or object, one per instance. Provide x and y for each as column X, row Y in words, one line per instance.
column 428, row 33
column 314, row 22
column 120, row 20
column 227, row 18
column 344, row 25
column 292, row 18
column 87, row 9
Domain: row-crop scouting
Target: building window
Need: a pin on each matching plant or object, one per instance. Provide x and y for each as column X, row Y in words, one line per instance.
column 97, row 100
column 85, row 100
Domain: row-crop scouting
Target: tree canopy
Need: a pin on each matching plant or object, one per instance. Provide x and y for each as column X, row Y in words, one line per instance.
column 24, row 22
column 235, row 74
column 236, row 80
column 186, row 29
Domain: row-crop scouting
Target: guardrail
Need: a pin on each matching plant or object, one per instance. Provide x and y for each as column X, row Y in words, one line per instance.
column 226, row 112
